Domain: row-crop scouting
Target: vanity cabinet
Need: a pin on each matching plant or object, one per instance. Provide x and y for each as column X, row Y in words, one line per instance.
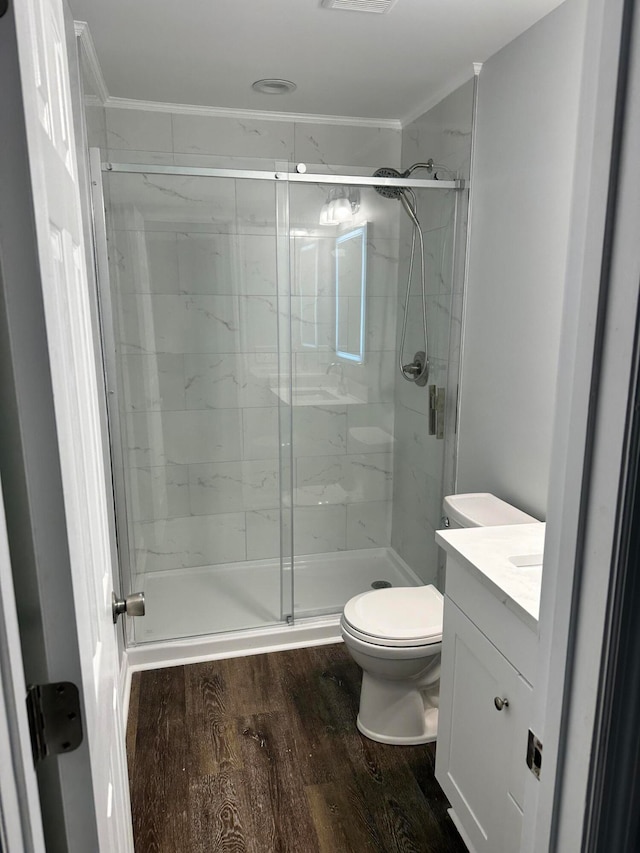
column 483, row 722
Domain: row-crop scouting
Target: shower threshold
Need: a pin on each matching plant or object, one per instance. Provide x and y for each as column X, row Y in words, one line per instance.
column 194, row 602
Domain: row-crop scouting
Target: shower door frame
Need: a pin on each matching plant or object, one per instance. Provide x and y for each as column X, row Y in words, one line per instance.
column 284, row 178
column 302, row 176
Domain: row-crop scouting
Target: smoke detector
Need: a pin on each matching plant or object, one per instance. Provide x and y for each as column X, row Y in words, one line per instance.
column 380, row 7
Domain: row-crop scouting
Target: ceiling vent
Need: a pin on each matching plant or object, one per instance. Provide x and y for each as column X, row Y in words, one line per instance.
column 380, row 7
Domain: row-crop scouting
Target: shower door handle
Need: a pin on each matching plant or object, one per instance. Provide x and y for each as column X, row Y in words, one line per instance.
column 432, row 409
column 436, row 411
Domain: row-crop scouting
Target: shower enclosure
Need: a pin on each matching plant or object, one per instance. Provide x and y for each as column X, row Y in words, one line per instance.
column 250, row 325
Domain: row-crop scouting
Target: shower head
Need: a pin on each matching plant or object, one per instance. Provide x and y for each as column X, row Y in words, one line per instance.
column 397, row 192
column 389, row 192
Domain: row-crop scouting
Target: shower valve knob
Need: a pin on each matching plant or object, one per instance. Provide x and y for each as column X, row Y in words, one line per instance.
column 418, row 370
column 132, row 605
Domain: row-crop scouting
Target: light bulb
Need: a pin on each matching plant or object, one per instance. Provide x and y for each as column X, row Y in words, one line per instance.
column 342, row 210
column 324, row 215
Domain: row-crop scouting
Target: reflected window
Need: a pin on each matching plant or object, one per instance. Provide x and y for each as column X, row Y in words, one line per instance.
column 351, row 281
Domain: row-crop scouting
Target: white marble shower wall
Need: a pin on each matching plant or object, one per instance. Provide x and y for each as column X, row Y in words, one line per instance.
column 196, row 307
column 423, row 465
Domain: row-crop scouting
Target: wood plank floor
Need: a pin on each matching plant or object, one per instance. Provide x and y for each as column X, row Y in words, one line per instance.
column 261, row 754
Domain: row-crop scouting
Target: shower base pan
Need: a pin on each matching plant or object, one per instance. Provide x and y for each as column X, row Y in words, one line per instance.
column 195, row 602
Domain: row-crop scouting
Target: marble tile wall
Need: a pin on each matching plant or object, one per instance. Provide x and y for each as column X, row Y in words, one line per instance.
column 198, row 328
column 206, row 140
column 424, row 466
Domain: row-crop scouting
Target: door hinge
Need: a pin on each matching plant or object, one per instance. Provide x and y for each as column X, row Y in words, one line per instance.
column 534, row 754
column 55, row 721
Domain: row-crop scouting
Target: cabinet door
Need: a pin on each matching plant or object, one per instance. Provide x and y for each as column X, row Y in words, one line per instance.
column 476, row 742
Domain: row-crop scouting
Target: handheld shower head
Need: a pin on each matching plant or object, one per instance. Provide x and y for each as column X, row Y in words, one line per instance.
column 397, row 192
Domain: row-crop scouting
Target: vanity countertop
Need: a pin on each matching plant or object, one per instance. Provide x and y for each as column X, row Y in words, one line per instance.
column 507, row 560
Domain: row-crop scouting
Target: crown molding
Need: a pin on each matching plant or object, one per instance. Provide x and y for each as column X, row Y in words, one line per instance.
column 257, row 115
column 91, row 61
column 103, row 97
column 92, row 101
column 450, row 86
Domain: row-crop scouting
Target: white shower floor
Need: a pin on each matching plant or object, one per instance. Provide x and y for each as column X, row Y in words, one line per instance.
column 183, row 603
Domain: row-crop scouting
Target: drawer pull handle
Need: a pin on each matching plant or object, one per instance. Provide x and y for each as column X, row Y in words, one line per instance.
column 501, row 703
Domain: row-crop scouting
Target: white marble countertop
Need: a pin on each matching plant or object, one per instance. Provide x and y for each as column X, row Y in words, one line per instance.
column 492, row 555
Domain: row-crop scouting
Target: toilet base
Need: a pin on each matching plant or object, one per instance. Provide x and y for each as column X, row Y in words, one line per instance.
column 398, row 740
column 398, row 712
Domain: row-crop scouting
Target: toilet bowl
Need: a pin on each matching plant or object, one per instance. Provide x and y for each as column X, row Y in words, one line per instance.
column 395, row 636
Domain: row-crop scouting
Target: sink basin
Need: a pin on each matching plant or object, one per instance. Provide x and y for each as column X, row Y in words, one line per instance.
column 525, row 560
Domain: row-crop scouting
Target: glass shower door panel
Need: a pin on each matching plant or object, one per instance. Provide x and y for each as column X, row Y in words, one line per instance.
column 344, row 258
column 368, row 475
column 285, row 410
column 195, row 330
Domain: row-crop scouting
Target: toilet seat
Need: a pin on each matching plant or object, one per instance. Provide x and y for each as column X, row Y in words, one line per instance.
column 398, row 617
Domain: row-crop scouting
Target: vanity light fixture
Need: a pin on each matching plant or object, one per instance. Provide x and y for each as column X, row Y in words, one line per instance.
column 273, row 86
column 341, row 205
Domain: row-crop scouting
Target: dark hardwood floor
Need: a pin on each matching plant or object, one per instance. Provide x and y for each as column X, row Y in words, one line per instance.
column 262, row 754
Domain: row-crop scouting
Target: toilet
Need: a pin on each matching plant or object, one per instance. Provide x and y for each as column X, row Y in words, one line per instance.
column 395, row 636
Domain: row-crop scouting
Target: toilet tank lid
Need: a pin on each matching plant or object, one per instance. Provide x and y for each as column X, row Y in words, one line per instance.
column 481, row 509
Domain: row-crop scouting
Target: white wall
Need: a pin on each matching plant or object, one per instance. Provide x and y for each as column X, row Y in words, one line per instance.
column 522, row 181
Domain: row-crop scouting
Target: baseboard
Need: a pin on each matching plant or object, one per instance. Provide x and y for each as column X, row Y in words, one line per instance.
column 306, row 632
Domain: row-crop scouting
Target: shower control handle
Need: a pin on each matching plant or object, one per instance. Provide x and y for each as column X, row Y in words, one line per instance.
column 418, row 370
column 132, row 605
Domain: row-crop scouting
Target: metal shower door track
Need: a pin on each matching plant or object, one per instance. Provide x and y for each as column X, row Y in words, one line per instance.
column 290, row 177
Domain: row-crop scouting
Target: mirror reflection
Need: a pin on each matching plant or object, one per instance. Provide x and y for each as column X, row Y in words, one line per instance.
column 351, row 288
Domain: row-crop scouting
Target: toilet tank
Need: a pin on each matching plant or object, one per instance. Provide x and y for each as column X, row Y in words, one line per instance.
column 481, row 509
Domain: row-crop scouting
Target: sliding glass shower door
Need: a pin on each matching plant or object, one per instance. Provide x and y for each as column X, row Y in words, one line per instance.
column 192, row 322
column 270, row 462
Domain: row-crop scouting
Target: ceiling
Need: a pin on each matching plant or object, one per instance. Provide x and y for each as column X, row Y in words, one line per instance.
column 209, row 52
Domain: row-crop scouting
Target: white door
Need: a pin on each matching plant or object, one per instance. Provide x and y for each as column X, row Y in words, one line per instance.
column 589, row 441
column 54, row 174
